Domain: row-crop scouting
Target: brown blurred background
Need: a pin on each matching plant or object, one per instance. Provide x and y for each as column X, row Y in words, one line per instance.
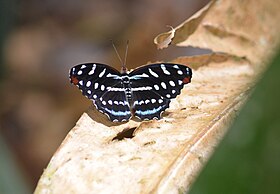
column 41, row 40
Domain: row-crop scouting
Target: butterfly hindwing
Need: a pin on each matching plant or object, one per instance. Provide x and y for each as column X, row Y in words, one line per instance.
column 149, row 105
column 114, row 103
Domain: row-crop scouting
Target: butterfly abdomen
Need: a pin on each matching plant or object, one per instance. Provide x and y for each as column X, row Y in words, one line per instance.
column 127, row 88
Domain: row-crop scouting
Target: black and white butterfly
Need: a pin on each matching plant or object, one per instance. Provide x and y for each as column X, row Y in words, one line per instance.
column 144, row 92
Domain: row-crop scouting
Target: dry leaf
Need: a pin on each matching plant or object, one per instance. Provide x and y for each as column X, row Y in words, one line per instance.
column 163, row 155
column 241, row 28
column 165, row 39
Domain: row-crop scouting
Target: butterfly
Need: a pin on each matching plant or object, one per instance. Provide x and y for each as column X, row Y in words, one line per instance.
column 144, row 92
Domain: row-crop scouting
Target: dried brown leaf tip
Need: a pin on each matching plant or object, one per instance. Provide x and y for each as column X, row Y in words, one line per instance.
column 165, row 39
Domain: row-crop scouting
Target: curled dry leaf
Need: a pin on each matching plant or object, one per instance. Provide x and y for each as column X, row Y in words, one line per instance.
column 165, row 156
column 166, row 39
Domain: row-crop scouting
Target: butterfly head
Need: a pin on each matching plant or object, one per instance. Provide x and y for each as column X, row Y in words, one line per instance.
column 123, row 70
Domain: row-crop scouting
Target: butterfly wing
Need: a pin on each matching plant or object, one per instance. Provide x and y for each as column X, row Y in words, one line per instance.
column 154, row 85
column 149, row 105
column 114, row 104
column 103, row 85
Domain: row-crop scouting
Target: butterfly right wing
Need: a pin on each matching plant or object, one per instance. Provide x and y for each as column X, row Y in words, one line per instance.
column 154, row 85
column 149, row 104
column 102, row 84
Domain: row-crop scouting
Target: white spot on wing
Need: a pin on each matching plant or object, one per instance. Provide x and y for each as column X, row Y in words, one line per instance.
column 94, row 96
column 153, row 73
column 95, row 85
column 83, row 66
column 180, row 82
column 89, row 92
column 172, row 83
column 92, row 70
column 163, row 85
column 102, row 73
column 173, row 91
column 153, row 101
column 80, row 72
column 88, row 83
column 156, row 87
column 102, row 87
column 168, row 95
column 147, row 101
column 110, row 102
column 162, row 66
column 180, row 72
column 81, row 82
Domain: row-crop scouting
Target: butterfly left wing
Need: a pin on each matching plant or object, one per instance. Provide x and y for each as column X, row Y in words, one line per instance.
column 102, row 84
column 157, row 83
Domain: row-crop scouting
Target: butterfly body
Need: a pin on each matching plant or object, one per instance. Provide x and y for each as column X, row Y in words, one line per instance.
column 145, row 92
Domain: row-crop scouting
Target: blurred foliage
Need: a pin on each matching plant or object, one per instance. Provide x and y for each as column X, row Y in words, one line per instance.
column 248, row 159
column 11, row 179
column 6, row 20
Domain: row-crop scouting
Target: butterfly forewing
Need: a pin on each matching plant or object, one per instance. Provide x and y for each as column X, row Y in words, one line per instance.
column 94, row 78
column 165, row 78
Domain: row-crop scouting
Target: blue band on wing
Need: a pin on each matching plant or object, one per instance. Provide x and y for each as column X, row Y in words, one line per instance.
column 148, row 112
column 118, row 113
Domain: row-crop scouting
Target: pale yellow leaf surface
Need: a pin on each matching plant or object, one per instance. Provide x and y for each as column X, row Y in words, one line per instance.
column 166, row 156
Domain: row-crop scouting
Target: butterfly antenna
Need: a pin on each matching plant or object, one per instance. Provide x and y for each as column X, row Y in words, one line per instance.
column 123, row 66
column 126, row 50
